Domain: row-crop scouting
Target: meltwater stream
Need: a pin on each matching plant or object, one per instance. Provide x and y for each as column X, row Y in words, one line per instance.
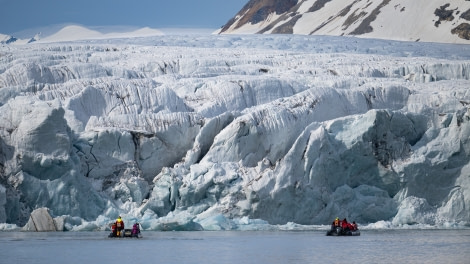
column 373, row 246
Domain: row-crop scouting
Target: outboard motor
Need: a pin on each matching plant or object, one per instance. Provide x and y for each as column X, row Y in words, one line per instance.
column 338, row 230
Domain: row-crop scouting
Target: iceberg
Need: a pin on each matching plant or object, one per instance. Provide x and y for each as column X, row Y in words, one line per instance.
column 227, row 132
column 41, row 221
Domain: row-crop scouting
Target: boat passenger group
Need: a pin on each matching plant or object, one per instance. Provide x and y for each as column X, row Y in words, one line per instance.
column 118, row 227
column 338, row 228
column 343, row 228
column 344, row 225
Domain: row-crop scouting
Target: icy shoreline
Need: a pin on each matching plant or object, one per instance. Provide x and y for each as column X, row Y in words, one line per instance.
column 263, row 226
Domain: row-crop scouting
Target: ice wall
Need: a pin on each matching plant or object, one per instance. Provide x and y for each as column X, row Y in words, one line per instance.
column 184, row 133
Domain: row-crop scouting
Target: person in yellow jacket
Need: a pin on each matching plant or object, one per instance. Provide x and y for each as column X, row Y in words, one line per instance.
column 119, row 226
column 336, row 223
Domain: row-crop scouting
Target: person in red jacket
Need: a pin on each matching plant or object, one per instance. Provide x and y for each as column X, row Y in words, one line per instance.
column 354, row 226
column 113, row 230
column 345, row 225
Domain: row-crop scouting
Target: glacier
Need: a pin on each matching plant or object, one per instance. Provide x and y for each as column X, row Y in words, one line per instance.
column 234, row 132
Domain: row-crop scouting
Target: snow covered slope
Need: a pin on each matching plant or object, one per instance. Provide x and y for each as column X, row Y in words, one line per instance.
column 220, row 131
column 74, row 32
column 77, row 32
column 417, row 20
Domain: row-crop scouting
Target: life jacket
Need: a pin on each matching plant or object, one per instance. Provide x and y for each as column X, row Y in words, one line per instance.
column 113, row 227
column 336, row 222
column 119, row 224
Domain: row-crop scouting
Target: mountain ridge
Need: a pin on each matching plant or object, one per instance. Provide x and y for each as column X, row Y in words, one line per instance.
column 440, row 21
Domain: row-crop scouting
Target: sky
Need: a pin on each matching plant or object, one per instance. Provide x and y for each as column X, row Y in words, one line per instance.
column 25, row 16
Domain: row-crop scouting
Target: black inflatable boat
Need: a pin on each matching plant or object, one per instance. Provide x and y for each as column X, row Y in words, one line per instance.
column 338, row 231
column 126, row 233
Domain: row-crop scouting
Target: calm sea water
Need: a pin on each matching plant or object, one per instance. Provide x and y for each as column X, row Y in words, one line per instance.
column 373, row 246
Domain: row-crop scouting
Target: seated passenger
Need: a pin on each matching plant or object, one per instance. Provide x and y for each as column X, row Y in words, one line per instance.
column 113, row 230
column 345, row 225
column 135, row 230
column 354, row 226
column 336, row 223
column 119, row 226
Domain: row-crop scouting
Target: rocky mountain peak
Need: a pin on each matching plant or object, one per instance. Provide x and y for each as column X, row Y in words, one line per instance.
column 419, row 20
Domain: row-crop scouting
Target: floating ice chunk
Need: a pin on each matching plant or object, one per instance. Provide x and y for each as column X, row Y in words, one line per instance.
column 176, row 221
column 378, row 225
column 247, row 224
column 414, row 210
column 40, row 220
column 9, row 227
column 216, row 223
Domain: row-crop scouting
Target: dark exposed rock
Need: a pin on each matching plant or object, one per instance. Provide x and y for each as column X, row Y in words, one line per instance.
column 256, row 11
column 342, row 13
column 466, row 15
column 443, row 14
column 462, row 30
column 346, row 10
column 288, row 27
column 365, row 26
column 319, row 4
column 9, row 40
column 353, row 18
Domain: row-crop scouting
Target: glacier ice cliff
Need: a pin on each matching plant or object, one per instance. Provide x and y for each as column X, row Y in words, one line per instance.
column 213, row 132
